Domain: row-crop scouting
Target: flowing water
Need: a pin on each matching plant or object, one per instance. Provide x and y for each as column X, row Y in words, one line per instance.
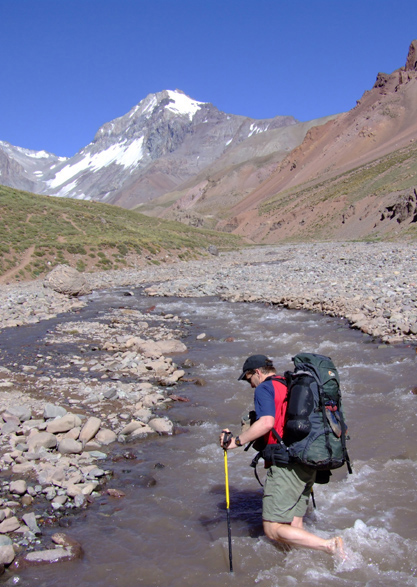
column 174, row 533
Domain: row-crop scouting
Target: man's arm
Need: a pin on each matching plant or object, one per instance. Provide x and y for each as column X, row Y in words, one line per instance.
column 257, row 430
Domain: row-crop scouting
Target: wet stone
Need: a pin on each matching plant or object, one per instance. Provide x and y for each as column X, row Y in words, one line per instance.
column 7, row 554
column 9, row 525
column 30, row 521
column 52, row 411
column 18, row 487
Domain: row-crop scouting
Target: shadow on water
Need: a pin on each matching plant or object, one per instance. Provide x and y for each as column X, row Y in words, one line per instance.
column 245, row 514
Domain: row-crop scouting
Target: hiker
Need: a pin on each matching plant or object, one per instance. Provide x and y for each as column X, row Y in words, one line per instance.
column 287, row 487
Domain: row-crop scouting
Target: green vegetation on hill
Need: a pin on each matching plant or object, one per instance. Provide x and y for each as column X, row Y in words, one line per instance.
column 391, row 173
column 39, row 232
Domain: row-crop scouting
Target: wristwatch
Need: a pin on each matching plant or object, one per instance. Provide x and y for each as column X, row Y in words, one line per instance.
column 237, row 441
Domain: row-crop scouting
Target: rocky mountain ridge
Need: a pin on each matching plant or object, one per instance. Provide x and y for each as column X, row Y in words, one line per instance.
column 341, row 179
column 266, row 180
column 22, row 168
column 165, row 140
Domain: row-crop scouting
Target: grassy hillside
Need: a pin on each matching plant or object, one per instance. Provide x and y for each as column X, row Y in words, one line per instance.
column 39, row 232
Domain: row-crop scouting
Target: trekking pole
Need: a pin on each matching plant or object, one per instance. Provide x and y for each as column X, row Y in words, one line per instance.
column 313, row 499
column 226, row 439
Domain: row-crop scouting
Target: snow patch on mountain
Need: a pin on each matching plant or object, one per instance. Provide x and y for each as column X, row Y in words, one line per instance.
column 149, row 108
column 120, row 154
column 8, row 148
column 158, row 145
column 254, row 129
column 182, row 104
column 41, row 155
column 66, row 189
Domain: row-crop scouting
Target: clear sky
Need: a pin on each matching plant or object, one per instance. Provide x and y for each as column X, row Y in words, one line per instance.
column 69, row 66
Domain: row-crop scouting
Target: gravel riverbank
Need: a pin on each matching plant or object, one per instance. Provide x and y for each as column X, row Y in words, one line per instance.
column 373, row 285
column 59, row 412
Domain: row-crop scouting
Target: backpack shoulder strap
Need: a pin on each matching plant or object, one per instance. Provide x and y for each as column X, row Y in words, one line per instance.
column 283, row 380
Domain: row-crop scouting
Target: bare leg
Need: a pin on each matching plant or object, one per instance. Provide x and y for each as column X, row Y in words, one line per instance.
column 297, row 522
column 295, row 535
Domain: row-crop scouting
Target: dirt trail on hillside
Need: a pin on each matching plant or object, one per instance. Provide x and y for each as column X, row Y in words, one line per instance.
column 24, row 261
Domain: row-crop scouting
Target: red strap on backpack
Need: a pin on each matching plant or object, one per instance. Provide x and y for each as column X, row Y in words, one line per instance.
column 280, row 397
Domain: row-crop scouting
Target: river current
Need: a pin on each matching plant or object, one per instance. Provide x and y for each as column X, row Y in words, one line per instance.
column 174, row 533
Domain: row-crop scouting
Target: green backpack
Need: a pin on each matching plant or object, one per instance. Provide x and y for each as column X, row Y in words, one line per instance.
column 315, row 429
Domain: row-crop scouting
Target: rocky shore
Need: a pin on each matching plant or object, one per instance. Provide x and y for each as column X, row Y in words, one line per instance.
column 59, row 418
column 373, row 285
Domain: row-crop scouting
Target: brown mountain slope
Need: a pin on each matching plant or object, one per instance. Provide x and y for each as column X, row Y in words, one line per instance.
column 207, row 197
column 381, row 129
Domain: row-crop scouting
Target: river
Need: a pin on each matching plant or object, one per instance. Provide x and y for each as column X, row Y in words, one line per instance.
column 174, row 532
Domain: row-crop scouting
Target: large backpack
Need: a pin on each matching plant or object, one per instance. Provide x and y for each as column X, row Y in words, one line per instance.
column 315, row 429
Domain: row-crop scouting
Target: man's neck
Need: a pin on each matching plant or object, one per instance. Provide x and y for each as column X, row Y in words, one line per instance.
column 263, row 376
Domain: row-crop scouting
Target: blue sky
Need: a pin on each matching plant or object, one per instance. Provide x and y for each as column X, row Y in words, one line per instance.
column 69, row 66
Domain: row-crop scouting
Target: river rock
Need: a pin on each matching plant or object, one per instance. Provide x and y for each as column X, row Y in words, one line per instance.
column 9, row 525
column 10, row 418
column 152, row 399
column 70, row 446
column 67, row 280
column 162, row 347
column 80, row 500
column 97, row 454
column 143, row 414
column 9, row 428
column 52, row 411
column 90, row 429
column 106, row 436
column 69, row 549
column 74, row 433
column 213, row 250
column 41, row 439
column 131, row 427
column 73, row 489
column 63, row 424
column 92, row 445
column 18, row 487
column 7, row 554
column 115, row 492
column 141, row 432
column 59, row 501
column 88, row 488
column 30, row 521
column 22, row 468
column 34, row 423
column 48, row 556
column 26, row 500
column 161, row 425
column 23, row 413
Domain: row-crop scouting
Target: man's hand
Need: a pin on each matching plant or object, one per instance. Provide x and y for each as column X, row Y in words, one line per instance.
column 227, row 440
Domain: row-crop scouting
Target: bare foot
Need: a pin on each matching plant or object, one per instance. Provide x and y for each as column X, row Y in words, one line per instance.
column 336, row 547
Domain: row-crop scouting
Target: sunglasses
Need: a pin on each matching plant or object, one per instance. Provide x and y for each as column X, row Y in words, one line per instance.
column 248, row 377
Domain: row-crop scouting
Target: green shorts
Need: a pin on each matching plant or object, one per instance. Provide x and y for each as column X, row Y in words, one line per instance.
column 286, row 492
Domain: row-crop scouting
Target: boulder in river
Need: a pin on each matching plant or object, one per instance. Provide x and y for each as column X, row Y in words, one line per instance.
column 41, row 439
column 69, row 446
column 7, row 554
column 68, row 549
column 63, row 424
column 90, row 429
column 67, row 280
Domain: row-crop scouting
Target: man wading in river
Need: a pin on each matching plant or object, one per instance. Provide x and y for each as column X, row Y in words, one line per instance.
column 287, row 487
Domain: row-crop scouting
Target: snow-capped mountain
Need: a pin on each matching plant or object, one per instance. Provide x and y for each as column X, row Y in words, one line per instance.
column 162, row 142
column 25, row 169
